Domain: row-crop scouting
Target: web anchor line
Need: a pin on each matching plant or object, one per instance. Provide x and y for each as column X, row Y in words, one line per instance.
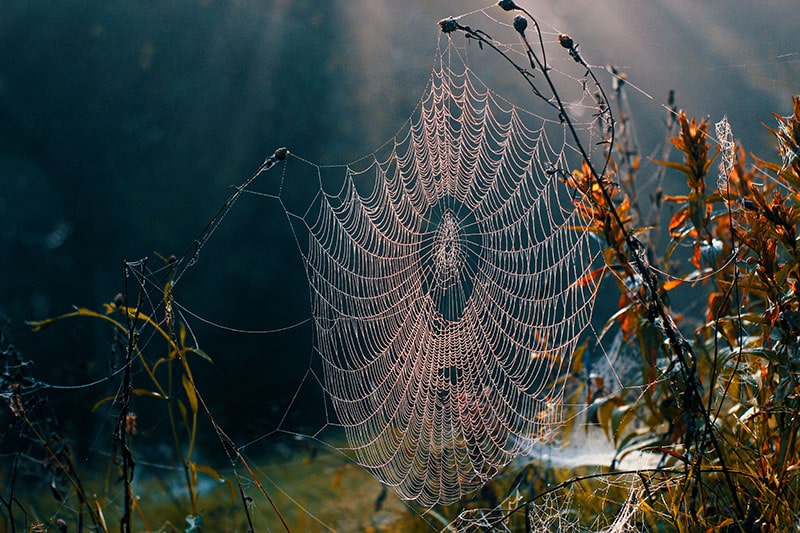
column 193, row 252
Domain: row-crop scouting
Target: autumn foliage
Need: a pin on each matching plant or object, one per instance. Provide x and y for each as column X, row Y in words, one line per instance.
column 725, row 425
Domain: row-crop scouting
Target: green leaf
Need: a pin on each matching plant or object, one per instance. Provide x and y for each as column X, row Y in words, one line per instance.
column 697, row 209
column 202, row 354
column 680, row 167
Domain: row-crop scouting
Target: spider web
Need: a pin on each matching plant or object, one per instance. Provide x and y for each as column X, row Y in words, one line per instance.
column 447, row 276
column 615, row 507
column 448, row 287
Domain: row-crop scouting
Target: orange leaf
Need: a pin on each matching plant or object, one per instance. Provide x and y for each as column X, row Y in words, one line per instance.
column 715, row 302
column 628, row 324
column 679, row 199
column 696, row 256
column 677, row 220
column 590, row 277
column 609, row 254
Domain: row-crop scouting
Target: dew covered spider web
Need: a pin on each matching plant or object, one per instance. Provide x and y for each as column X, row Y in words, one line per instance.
column 447, row 279
column 614, row 504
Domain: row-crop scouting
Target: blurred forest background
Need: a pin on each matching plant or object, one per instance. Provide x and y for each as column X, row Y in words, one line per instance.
column 121, row 124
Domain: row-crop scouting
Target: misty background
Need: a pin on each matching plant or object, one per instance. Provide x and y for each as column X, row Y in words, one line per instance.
column 122, row 124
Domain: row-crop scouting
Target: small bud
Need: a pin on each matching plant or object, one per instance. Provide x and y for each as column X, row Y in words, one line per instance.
column 566, row 41
column 448, row 25
column 520, row 23
column 119, row 300
column 281, row 153
column 507, row 5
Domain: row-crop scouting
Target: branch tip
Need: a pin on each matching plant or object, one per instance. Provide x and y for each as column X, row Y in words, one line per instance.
column 448, row 25
column 507, row 5
column 281, row 153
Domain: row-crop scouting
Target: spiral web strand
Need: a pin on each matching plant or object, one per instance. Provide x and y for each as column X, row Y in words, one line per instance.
column 448, row 288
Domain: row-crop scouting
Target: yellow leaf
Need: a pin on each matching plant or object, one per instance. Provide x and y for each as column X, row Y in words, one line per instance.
column 168, row 292
column 610, row 256
column 216, row 476
column 606, row 407
column 136, row 392
column 184, row 413
column 101, row 402
column 146, row 392
column 191, row 394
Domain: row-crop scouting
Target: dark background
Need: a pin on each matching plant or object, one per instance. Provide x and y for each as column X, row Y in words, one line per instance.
column 121, row 124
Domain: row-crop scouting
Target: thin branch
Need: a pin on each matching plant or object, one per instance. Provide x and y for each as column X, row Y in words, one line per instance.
column 655, row 309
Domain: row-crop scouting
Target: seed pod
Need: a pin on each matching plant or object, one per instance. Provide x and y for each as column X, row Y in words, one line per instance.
column 520, row 23
column 508, row 5
column 448, row 25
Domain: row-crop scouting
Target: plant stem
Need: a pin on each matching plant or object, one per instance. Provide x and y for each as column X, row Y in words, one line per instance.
column 655, row 310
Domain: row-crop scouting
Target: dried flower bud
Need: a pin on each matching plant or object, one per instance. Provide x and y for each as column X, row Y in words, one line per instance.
column 507, row 5
column 448, row 25
column 566, row 41
column 281, row 153
column 520, row 23
column 130, row 424
column 119, row 300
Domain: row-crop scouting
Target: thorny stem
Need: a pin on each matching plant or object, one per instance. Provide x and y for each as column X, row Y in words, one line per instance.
column 655, row 309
